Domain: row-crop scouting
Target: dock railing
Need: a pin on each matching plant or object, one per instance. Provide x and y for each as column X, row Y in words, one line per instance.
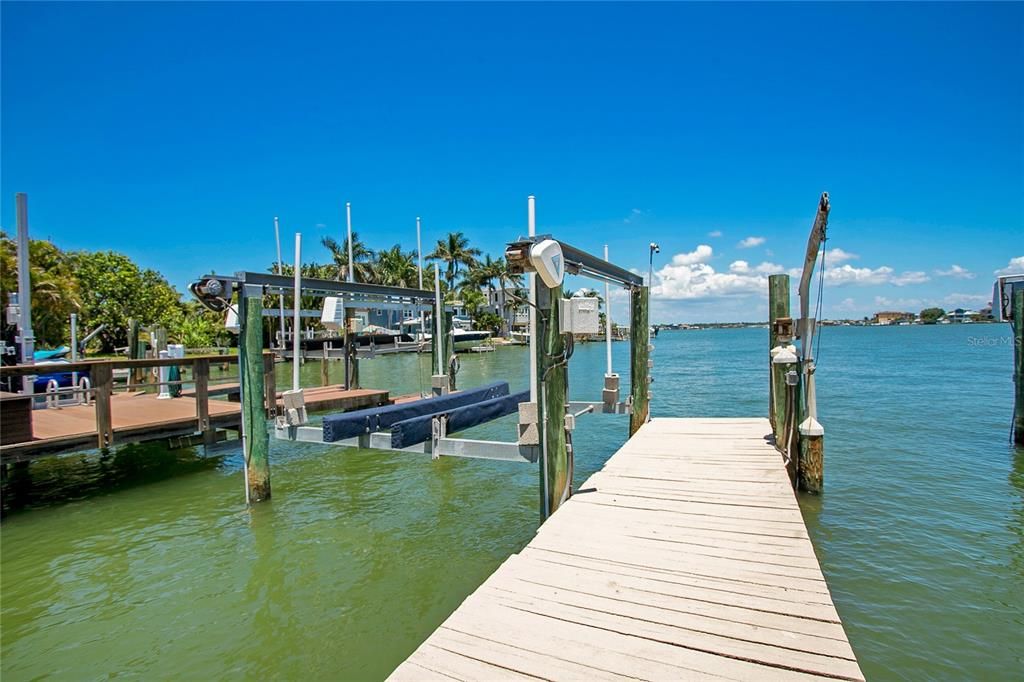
column 101, row 376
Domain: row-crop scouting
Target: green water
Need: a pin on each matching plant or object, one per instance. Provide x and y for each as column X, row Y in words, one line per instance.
column 156, row 569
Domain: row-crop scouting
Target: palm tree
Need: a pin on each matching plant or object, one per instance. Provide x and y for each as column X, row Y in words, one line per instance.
column 362, row 255
column 456, row 252
column 395, row 268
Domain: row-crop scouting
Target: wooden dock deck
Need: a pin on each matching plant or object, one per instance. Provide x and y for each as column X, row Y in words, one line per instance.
column 685, row 557
column 138, row 416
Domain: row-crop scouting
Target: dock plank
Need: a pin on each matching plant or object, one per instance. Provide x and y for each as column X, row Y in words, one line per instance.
column 685, row 557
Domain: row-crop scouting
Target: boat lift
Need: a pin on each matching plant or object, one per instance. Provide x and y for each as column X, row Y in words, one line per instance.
column 547, row 418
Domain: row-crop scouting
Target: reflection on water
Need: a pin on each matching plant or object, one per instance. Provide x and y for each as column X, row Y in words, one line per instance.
column 67, row 478
column 155, row 564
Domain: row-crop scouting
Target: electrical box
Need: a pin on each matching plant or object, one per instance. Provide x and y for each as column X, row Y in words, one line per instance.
column 356, row 324
column 231, row 320
column 1002, row 296
column 578, row 315
column 333, row 314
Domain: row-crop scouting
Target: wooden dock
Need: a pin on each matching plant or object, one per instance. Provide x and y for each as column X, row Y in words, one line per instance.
column 685, row 557
column 138, row 416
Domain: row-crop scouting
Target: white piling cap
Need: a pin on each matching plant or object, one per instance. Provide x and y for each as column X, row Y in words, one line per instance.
column 783, row 355
column 811, row 427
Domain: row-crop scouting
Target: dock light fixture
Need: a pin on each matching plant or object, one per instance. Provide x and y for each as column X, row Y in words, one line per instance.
column 654, row 248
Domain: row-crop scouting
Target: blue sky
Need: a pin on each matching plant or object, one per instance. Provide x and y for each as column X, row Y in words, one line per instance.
column 176, row 132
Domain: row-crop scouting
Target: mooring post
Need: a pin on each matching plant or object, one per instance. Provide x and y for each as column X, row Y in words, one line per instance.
column 250, row 369
column 325, row 375
column 778, row 309
column 269, row 385
column 102, row 377
column 201, row 377
column 1018, row 364
column 639, row 359
column 135, row 352
column 552, row 390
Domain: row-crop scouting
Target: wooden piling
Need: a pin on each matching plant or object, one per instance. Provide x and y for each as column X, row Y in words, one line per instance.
column 102, row 377
column 778, row 309
column 269, row 385
column 446, row 346
column 325, row 375
column 201, row 377
column 811, row 468
column 552, row 391
column 136, row 351
column 1018, row 358
column 639, row 359
column 251, row 373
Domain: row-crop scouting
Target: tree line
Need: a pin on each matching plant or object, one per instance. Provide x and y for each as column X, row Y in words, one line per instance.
column 108, row 288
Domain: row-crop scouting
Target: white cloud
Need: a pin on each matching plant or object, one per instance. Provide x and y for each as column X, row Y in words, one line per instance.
column 690, row 277
column 846, row 305
column 912, row 277
column 715, row 233
column 742, row 267
column 633, row 215
column 837, row 256
column 898, row 303
column 956, row 300
column 1016, row 266
column 847, row 274
column 751, row 242
column 956, row 272
column 701, row 254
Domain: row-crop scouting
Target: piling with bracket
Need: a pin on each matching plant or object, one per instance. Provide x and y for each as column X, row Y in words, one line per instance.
column 639, row 359
column 256, row 438
column 552, row 393
column 779, row 323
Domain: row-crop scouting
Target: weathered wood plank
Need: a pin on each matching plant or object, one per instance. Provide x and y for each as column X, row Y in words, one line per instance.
column 685, row 557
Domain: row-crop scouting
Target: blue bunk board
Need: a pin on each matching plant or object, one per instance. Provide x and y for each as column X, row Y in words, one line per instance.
column 418, row 429
column 351, row 424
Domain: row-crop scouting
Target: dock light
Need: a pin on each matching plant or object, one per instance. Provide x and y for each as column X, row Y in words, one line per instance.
column 654, row 248
column 783, row 355
column 547, row 261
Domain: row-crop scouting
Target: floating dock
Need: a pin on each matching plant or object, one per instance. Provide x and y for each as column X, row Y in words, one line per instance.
column 685, row 557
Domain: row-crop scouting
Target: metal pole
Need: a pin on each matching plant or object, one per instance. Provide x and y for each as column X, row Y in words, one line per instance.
column 296, row 307
column 280, row 271
column 25, row 335
column 531, row 226
column 607, row 318
column 439, row 325
column 351, row 263
column 419, row 267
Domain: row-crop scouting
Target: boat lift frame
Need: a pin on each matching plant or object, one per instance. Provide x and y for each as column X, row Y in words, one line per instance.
column 546, row 419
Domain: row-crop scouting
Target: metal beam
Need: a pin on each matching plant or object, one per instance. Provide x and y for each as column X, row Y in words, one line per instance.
column 579, row 262
column 328, row 286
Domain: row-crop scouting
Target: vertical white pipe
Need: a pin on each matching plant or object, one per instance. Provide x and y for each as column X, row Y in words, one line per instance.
column 419, row 252
column 607, row 319
column 419, row 268
column 27, row 338
column 439, row 326
column 280, row 271
column 297, row 305
column 351, row 262
column 531, row 227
